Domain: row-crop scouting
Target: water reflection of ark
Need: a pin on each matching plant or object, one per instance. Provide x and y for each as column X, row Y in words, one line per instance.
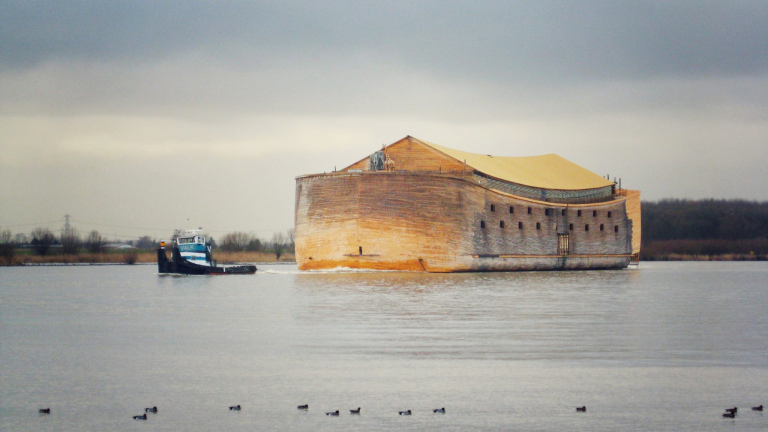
column 529, row 315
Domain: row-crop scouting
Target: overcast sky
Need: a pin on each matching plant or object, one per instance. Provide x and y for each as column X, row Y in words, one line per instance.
column 139, row 117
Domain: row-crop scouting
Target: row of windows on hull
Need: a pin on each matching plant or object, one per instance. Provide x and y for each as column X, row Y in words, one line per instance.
column 538, row 226
column 549, row 211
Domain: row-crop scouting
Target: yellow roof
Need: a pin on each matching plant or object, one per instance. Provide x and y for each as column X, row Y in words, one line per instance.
column 548, row 171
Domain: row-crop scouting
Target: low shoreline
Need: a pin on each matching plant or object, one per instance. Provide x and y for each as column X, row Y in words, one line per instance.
column 136, row 257
column 257, row 258
column 686, row 257
column 85, row 264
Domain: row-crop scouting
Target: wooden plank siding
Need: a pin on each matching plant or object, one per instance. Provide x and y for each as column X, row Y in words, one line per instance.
column 406, row 221
column 425, row 217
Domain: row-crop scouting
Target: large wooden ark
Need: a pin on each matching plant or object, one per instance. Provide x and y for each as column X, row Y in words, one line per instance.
column 422, row 207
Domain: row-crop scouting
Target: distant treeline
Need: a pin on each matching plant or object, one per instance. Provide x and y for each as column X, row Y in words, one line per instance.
column 71, row 246
column 704, row 229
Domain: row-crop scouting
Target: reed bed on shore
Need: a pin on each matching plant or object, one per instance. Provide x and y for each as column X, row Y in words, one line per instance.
column 702, row 257
column 131, row 256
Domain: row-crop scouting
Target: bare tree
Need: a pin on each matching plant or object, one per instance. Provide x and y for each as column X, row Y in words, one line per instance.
column 94, row 242
column 236, row 241
column 145, row 242
column 291, row 235
column 7, row 247
column 254, row 245
column 20, row 239
column 70, row 241
column 42, row 240
column 278, row 245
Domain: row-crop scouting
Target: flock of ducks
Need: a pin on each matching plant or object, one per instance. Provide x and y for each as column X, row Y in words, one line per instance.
column 152, row 410
column 305, row 407
column 729, row 412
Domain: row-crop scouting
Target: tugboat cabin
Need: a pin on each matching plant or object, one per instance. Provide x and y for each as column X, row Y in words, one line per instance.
column 192, row 247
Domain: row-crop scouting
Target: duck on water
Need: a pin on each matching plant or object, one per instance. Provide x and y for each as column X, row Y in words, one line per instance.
column 191, row 255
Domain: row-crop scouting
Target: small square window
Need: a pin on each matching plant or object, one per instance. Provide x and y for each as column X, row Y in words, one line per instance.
column 511, row 210
column 578, row 213
column 520, row 225
column 562, row 212
column 616, row 228
column 538, row 225
column 570, row 227
column 594, row 213
column 586, row 227
column 501, row 224
column 482, row 224
column 601, row 227
column 493, row 207
column 529, row 210
column 609, row 214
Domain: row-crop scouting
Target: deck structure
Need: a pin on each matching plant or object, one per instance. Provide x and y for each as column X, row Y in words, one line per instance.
column 419, row 206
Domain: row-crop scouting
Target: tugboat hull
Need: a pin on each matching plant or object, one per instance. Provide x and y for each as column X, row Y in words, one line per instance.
column 178, row 265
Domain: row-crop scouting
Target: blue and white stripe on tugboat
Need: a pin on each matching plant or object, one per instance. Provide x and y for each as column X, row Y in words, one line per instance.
column 192, row 248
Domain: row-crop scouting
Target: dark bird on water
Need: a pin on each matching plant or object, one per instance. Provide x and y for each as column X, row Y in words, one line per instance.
column 333, row 413
column 405, row 412
column 141, row 417
column 729, row 415
column 44, row 411
column 733, row 410
column 581, row 409
column 439, row 410
column 152, row 410
column 757, row 408
column 357, row 411
column 303, row 407
column 235, row 408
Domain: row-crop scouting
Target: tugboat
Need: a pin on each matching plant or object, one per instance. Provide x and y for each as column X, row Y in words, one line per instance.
column 191, row 255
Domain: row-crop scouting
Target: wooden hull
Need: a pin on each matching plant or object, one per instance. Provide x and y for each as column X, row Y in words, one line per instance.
column 447, row 223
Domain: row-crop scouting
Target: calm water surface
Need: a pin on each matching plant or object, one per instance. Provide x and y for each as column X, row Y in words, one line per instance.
column 666, row 347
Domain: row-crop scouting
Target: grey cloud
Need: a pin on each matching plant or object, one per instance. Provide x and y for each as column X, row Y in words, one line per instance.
column 501, row 40
column 452, row 58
